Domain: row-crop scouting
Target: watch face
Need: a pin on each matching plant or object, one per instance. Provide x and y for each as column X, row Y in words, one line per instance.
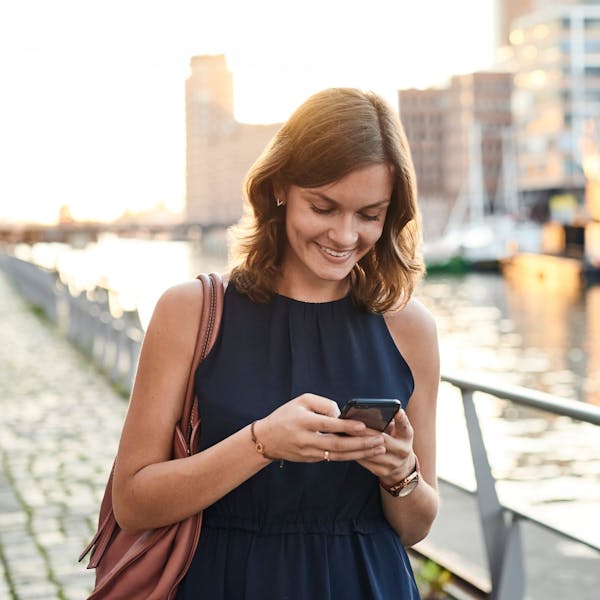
column 408, row 488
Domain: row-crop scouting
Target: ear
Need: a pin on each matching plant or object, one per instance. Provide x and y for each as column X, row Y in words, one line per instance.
column 280, row 192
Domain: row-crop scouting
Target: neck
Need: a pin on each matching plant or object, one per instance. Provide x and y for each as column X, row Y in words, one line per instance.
column 300, row 290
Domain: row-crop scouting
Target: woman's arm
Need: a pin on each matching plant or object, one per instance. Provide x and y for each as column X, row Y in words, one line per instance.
column 412, row 432
column 149, row 489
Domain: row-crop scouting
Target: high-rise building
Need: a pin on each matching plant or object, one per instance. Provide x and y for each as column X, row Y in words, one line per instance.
column 457, row 137
column 557, row 96
column 219, row 149
column 508, row 11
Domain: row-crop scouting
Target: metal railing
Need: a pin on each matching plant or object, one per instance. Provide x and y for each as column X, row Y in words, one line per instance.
column 112, row 343
column 501, row 524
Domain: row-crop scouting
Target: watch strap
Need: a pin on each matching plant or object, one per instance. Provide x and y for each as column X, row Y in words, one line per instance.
column 405, row 485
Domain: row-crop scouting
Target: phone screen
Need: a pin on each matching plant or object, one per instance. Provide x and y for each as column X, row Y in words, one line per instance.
column 375, row 413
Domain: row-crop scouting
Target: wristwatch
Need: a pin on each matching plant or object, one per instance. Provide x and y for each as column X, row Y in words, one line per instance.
column 405, row 486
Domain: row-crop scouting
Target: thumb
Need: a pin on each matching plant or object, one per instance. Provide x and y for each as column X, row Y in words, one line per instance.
column 391, row 428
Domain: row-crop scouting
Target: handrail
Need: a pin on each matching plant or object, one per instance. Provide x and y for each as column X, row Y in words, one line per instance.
column 531, row 398
column 501, row 524
column 112, row 343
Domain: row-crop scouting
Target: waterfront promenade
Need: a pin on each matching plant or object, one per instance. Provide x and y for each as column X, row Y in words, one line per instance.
column 59, row 426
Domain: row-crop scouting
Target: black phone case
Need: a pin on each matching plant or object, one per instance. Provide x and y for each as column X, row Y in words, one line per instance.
column 375, row 413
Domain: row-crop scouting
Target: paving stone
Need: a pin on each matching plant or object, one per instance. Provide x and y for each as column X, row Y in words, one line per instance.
column 4, row 589
column 33, row 497
column 21, row 551
column 78, row 529
column 76, row 592
column 37, row 591
column 28, row 570
column 50, row 538
column 45, row 522
column 54, row 460
column 13, row 540
column 12, row 520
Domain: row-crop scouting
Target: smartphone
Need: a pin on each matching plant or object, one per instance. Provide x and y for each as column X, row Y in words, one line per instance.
column 375, row 413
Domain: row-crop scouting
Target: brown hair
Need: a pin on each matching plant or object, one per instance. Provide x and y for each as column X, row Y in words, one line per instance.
column 331, row 134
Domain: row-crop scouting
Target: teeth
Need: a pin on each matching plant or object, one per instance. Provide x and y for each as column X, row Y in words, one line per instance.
column 334, row 253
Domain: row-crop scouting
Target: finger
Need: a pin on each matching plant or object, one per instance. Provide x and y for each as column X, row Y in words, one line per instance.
column 368, row 454
column 321, row 405
column 402, row 428
column 340, row 444
column 378, row 464
column 401, row 418
column 342, row 426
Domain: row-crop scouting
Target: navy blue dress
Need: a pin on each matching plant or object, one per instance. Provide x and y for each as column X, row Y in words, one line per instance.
column 305, row 531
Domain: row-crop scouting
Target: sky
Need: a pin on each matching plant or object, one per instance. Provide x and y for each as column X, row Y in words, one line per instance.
column 92, row 104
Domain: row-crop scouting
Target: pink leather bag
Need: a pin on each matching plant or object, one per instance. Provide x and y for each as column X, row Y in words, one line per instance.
column 150, row 565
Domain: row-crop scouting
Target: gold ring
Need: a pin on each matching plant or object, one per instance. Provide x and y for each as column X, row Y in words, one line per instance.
column 326, row 455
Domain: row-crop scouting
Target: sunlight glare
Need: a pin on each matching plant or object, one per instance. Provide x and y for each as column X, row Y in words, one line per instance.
column 93, row 113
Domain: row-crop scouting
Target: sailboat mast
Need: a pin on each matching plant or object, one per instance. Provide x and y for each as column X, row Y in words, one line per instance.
column 476, row 189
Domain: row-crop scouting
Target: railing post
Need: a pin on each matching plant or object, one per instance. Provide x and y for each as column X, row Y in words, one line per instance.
column 502, row 541
column 512, row 577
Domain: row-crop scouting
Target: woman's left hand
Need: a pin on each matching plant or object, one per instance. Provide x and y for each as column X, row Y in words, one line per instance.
column 399, row 459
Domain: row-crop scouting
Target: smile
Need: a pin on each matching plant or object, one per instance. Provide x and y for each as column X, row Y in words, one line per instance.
column 335, row 253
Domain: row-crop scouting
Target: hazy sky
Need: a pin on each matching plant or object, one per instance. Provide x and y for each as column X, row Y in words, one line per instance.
column 92, row 109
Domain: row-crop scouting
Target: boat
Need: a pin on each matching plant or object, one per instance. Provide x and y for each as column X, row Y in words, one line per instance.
column 482, row 245
column 473, row 238
column 570, row 256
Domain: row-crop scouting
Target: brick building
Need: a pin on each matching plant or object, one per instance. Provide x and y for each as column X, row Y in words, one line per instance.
column 458, row 137
column 219, row 150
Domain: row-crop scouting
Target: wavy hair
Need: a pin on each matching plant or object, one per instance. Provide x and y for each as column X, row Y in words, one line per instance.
column 331, row 134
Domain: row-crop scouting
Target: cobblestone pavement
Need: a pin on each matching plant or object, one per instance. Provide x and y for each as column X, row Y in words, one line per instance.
column 60, row 422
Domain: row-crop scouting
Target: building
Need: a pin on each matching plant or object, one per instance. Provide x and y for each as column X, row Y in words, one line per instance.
column 508, row 11
column 457, row 137
column 219, row 150
column 478, row 122
column 422, row 115
column 556, row 100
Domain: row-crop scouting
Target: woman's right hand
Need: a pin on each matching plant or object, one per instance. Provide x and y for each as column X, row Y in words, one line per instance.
column 307, row 429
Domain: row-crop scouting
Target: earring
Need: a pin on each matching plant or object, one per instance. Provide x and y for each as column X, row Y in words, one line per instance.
column 279, row 202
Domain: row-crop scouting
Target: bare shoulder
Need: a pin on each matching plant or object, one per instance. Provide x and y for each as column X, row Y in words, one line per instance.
column 177, row 313
column 188, row 294
column 414, row 332
column 413, row 320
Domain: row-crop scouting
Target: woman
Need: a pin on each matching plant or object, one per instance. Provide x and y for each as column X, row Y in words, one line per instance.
column 300, row 504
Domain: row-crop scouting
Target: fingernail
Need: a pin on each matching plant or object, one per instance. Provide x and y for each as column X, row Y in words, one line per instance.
column 359, row 427
column 379, row 450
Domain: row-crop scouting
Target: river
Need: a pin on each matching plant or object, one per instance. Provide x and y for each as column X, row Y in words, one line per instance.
column 544, row 339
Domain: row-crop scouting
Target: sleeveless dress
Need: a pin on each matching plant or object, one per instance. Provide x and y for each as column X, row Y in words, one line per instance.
column 304, row 531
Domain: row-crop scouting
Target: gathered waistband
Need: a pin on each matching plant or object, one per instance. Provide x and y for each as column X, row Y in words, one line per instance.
column 279, row 526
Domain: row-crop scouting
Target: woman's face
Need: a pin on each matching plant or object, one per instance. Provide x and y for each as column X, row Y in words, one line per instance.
column 330, row 228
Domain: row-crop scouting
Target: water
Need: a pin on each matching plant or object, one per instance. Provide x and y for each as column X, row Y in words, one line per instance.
column 519, row 335
column 543, row 339
column 139, row 270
